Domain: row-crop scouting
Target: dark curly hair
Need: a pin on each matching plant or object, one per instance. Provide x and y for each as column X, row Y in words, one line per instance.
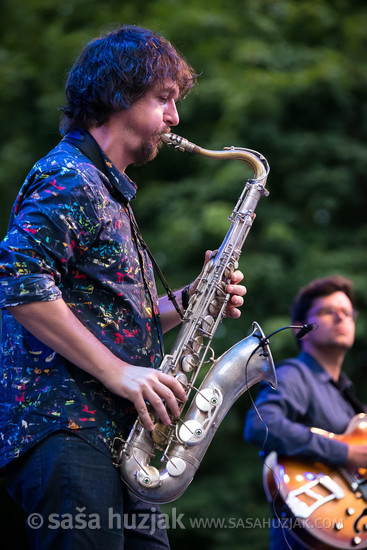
column 315, row 289
column 115, row 70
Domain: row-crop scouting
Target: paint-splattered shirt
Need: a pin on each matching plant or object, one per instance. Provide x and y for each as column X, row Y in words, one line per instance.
column 70, row 237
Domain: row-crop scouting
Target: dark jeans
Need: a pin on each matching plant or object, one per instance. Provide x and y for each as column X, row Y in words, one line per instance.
column 74, row 500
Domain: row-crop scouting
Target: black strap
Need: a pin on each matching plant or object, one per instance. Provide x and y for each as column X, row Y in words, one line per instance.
column 157, row 269
column 349, row 394
column 86, row 143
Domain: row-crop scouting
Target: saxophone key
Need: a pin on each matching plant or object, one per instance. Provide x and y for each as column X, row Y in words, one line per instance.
column 191, row 432
column 208, row 399
column 215, row 306
column 182, row 378
column 148, row 476
column 196, row 343
column 221, row 289
column 189, row 363
column 207, row 324
column 160, row 433
column 176, row 466
column 230, row 268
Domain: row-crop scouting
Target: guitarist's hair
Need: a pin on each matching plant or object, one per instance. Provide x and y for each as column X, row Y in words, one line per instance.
column 316, row 289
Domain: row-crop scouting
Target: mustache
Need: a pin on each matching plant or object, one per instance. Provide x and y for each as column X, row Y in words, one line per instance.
column 165, row 131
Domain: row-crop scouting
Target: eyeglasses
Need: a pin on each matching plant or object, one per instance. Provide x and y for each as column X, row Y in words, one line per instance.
column 333, row 311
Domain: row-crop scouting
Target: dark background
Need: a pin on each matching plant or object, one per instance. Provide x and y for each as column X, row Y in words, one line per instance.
column 287, row 78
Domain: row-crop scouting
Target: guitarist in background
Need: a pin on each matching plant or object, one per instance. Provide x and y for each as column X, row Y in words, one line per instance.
column 312, row 391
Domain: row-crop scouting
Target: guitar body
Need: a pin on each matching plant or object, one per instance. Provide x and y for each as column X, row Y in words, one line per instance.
column 322, row 505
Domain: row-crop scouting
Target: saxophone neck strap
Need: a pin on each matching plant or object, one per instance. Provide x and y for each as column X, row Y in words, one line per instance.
column 155, row 265
column 86, row 143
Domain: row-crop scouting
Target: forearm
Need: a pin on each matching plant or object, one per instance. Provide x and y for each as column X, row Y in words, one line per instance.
column 277, row 433
column 169, row 315
column 54, row 324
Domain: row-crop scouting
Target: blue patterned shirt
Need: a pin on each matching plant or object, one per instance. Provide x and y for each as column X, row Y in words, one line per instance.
column 70, row 236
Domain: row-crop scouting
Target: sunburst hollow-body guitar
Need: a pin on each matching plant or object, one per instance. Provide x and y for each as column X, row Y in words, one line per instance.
column 326, row 505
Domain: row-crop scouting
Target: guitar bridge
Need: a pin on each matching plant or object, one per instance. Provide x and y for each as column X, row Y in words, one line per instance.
column 301, row 509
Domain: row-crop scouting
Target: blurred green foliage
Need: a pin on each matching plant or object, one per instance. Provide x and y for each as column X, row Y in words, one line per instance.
column 285, row 77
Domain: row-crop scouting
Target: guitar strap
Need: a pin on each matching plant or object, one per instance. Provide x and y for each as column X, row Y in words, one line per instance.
column 86, row 143
column 349, row 394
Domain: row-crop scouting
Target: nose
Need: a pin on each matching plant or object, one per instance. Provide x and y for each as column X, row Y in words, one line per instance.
column 339, row 314
column 342, row 314
column 171, row 117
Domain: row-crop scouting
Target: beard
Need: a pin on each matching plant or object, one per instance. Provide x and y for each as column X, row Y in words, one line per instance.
column 343, row 344
column 146, row 152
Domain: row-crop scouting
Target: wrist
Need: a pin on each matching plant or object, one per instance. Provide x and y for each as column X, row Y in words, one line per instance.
column 185, row 297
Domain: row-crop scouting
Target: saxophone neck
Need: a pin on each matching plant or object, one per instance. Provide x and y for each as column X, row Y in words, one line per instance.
column 254, row 159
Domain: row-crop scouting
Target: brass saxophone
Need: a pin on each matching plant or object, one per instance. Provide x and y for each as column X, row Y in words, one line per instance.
column 179, row 448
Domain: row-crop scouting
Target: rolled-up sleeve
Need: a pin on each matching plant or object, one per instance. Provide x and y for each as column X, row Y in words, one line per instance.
column 23, row 290
column 46, row 230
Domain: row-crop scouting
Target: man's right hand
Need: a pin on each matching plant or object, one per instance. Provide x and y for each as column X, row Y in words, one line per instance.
column 144, row 385
column 357, row 456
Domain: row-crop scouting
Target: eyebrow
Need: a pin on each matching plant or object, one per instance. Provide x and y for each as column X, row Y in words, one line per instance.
column 173, row 89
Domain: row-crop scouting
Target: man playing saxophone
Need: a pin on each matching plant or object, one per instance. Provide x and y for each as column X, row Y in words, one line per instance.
column 82, row 324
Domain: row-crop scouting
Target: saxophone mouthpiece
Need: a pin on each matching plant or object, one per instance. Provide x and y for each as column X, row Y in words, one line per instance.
column 178, row 142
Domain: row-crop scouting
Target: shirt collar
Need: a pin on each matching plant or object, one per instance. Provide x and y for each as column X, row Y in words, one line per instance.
column 120, row 181
column 89, row 147
column 314, row 366
column 321, row 373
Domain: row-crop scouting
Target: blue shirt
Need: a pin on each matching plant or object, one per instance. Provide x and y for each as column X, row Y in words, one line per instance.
column 306, row 397
column 70, row 236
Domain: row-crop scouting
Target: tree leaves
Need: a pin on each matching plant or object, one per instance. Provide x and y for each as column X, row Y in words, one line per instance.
column 285, row 77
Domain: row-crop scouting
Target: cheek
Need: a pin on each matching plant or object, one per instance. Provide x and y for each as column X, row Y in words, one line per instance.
column 320, row 332
column 150, row 124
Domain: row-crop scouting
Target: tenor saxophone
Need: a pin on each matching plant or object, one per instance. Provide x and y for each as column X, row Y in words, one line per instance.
column 158, row 466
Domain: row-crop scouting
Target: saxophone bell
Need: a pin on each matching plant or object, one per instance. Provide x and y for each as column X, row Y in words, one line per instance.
column 233, row 373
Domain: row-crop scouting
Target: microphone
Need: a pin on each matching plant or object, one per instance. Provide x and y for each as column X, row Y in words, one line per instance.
column 306, row 329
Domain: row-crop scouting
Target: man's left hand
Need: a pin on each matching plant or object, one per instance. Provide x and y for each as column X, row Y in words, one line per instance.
column 237, row 292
